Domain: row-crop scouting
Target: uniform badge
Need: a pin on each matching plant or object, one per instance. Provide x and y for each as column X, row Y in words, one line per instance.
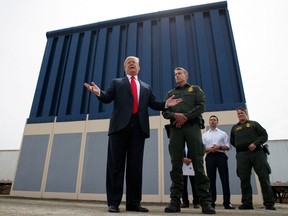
column 190, row 89
column 248, row 125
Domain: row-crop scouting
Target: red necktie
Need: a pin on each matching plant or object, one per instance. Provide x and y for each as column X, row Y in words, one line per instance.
column 135, row 95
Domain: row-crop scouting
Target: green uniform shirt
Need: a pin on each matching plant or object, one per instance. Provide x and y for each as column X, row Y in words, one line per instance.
column 193, row 104
column 242, row 135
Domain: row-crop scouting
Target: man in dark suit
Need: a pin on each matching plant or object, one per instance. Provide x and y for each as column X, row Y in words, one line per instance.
column 129, row 127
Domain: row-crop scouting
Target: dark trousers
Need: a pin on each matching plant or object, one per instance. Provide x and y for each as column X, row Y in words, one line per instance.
column 258, row 161
column 214, row 161
column 125, row 148
column 191, row 135
column 185, row 195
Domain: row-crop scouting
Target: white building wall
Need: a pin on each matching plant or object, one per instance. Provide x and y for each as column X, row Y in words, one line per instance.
column 8, row 164
column 278, row 160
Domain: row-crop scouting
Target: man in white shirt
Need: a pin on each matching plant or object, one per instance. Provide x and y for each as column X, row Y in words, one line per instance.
column 216, row 143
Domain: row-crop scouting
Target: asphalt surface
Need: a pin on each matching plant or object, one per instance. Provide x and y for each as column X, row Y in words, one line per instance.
column 16, row 206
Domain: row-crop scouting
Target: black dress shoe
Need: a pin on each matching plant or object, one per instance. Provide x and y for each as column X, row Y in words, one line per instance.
column 229, row 207
column 136, row 209
column 113, row 209
column 196, row 206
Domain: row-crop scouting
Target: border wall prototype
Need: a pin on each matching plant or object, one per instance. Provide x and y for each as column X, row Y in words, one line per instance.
column 64, row 146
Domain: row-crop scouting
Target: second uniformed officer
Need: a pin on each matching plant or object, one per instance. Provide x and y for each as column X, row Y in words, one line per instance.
column 247, row 137
column 184, row 122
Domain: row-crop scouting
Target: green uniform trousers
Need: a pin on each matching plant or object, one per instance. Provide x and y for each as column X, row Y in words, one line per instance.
column 258, row 160
column 191, row 134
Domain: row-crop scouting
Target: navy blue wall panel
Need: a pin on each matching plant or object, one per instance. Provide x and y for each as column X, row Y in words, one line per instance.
column 198, row 38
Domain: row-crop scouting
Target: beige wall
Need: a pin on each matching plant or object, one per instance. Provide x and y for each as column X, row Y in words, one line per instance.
column 84, row 127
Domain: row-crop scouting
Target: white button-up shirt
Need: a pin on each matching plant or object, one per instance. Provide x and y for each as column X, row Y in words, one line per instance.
column 216, row 137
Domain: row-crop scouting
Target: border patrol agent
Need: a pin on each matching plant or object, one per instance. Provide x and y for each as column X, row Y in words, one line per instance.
column 184, row 127
column 247, row 137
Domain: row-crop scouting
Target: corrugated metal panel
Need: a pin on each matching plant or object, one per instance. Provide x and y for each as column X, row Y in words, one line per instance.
column 198, row 38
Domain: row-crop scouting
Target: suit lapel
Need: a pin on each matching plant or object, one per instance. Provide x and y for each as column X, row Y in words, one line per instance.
column 141, row 89
column 126, row 82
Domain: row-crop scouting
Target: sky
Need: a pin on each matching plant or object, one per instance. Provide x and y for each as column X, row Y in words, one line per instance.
column 259, row 27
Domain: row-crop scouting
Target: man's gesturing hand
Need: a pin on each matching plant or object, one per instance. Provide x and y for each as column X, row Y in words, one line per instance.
column 93, row 88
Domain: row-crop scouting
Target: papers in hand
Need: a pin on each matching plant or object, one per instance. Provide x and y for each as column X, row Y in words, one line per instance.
column 188, row 170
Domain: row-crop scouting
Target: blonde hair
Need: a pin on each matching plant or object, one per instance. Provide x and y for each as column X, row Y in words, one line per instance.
column 181, row 68
column 133, row 57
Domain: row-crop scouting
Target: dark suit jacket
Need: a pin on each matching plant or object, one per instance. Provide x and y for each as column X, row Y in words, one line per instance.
column 120, row 91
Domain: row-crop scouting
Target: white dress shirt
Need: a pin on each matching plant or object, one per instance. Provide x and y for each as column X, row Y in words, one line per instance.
column 216, row 136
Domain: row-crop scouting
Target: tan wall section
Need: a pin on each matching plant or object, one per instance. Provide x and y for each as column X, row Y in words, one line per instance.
column 84, row 127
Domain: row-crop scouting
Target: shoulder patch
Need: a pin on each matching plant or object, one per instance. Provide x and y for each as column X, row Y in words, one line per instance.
column 200, row 90
column 197, row 87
